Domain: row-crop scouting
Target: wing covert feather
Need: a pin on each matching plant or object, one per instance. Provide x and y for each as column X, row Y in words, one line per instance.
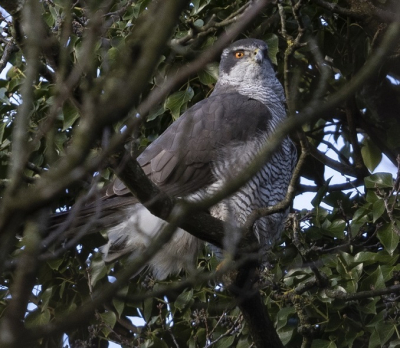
column 179, row 161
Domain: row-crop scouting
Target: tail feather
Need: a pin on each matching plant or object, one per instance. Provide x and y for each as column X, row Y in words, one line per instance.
column 135, row 234
column 130, row 229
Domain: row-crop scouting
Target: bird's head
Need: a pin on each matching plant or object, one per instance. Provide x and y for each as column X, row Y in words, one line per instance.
column 245, row 66
column 245, row 59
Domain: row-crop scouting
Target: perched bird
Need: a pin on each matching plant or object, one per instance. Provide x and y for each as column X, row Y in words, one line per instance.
column 207, row 146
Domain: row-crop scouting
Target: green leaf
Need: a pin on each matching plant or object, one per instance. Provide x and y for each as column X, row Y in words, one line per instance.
column 147, row 308
column 70, row 115
column 336, row 228
column 370, row 306
column 371, row 154
column 198, row 5
column 381, row 334
column 55, row 264
column 379, row 180
column 321, row 193
column 323, row 344
column 37, row 318
column 59, row 141
column 374, row 340
column 119, row 305
column 112, row 55
column 243, row 343
column 176, row 100
column 273, row 47
column 183, row 299
column 3, row 126
column 98, row 270
column 286, row 334
column 385, row 331
column 45, row 297
column 3, row 96
column 374, row 281
column 378, row 208
column 158, row 343
column 283, row 316
column 225, row 342
column 109, row 320
column 388, row 237
column 155, row 112
column 200, row 337
column 209, row 74
column 394, row 343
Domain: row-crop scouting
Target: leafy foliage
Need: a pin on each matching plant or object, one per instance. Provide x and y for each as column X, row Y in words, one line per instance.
column 334, row 278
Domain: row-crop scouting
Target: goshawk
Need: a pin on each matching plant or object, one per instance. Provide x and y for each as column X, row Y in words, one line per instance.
column 207, row 146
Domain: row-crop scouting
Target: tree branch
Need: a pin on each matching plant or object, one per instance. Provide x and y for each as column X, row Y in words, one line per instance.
column 335, row 8
column 395, row 289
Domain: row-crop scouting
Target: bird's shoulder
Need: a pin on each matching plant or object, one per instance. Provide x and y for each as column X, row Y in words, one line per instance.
column 209, row 123
column 179, row 160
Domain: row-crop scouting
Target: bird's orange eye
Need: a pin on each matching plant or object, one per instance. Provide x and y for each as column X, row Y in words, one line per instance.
column 239, row 54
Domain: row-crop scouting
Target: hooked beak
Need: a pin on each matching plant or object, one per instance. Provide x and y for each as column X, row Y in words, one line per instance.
column 258, row 55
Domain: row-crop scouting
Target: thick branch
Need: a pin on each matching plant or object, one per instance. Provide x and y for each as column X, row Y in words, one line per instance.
column 395, row 289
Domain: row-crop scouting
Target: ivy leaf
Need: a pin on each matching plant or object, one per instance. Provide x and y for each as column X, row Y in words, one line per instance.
column 336, row 228
column 155, row 112
column 374, row 340
column 283, row 316
column 243, row 343
column 158, row 343
column 2, row 128
column 385, row 332
column 119, row 305
column 59, row 141
column 379, row 180
column 98, row 270
column 371, row 154
column 198, row 5
column 37, row 318
column 109, row 319
column 147, row 308
column 394, row 344
column 3, row 97
column 176, row 100
column 323, row 344
column 378, row 208
column 209, row 74
column 55, row 264
column 388, row 237
column 183, row 299
column 374, row 281
column 273, row 47
column 369, row 307
column 225, row 342
column 45, row 297
column 321, row 193
column 286, row 334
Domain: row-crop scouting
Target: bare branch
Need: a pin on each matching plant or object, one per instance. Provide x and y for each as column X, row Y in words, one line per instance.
column 335, row 8
column 8, row 50
column 395, row 289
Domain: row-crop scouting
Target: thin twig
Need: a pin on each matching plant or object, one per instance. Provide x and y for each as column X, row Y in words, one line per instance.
column 8, row 50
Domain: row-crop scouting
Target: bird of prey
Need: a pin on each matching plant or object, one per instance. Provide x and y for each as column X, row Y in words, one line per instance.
column 206, row 147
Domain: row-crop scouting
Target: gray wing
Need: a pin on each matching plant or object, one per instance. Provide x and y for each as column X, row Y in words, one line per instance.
column 180, row 160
